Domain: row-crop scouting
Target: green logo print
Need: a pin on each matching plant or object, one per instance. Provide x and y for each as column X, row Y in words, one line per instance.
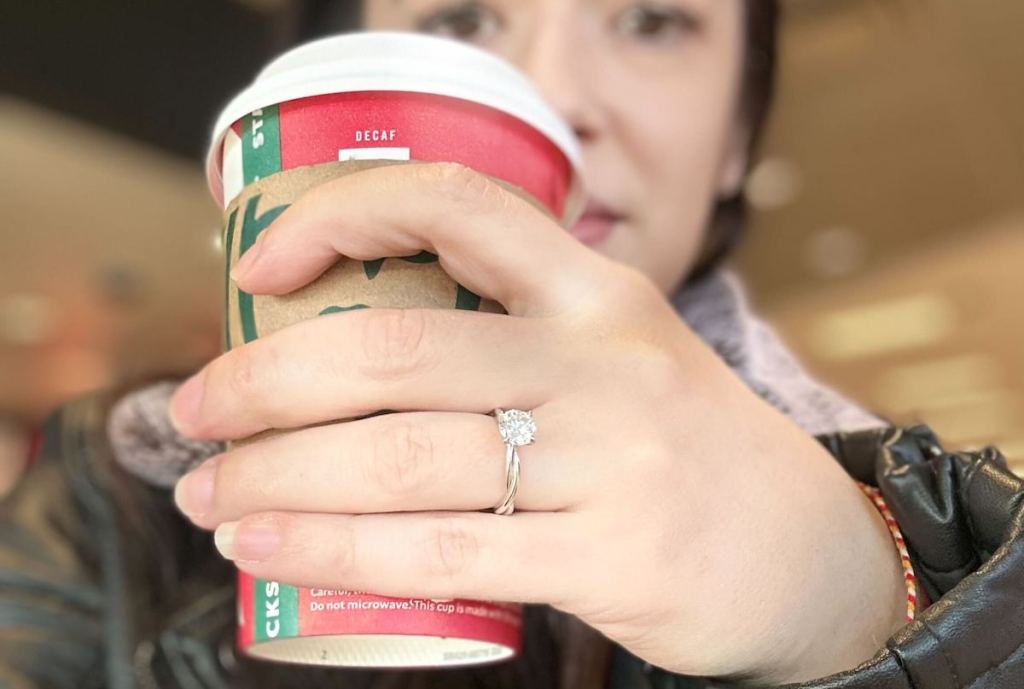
column 253, row 225
column 251, row 228
column 464, row 299
column 342, row 309
column 372, row 268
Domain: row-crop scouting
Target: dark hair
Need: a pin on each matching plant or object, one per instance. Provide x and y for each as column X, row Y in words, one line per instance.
column 729, row 221
column 730, row 217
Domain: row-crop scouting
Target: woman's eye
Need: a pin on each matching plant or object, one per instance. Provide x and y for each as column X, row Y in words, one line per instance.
column 469, row 22
column 654, row 23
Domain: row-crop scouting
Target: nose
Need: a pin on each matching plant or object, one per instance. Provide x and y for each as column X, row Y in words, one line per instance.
column 556, row 59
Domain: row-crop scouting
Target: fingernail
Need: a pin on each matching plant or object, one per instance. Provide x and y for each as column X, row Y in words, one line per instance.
column 224, row 539
column 185, row 404
column 247, row 260
column 194, row 492
column 251, row 542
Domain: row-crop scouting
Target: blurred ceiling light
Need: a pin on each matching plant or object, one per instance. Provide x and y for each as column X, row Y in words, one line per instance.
column 835, row 253
column 217, row 241
column 27, row 319
column 883, row 327
column 773, row 184
column 957, row 382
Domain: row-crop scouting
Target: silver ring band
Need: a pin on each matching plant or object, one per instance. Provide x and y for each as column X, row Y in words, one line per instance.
column 507, row 506
column 517, row 428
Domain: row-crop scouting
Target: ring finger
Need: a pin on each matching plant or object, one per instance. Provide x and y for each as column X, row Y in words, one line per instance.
column 418, row 461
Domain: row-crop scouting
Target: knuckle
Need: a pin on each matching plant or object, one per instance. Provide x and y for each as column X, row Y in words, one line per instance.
column 247, row 368
column 244, row 481
column 658, row 367
column 632, row 290
column 621, row 295
column 404, row 458
column 343, row 549
column 655, row 367
column 653, row 462
column 466, row 186
column 455, row 174
column 453, row 547
column 395, row 342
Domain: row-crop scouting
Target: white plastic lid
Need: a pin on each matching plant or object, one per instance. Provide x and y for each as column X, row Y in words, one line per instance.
column 399, row 61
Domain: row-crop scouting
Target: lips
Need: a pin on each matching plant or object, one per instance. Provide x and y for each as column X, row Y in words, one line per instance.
column 597, row 224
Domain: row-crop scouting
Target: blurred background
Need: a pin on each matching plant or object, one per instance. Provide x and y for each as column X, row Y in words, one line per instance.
column 887, row 247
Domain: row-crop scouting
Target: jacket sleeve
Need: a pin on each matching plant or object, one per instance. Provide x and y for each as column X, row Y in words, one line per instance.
column 962, row 515
column 52, row 605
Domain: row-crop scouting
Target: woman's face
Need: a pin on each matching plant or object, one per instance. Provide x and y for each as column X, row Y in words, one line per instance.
column 651, row 88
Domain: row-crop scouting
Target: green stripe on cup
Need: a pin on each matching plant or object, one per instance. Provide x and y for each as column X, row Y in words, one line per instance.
column 277, row 610
column 373, row 268
column 261, row 157
column 228, row 244
column 261, row 144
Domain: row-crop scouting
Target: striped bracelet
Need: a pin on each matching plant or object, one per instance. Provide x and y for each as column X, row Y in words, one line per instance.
column 908, row 568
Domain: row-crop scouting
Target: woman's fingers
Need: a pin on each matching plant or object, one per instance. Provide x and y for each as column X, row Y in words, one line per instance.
column 489, row 240
column 527, row 557
column 392, row 463
column 352, row 364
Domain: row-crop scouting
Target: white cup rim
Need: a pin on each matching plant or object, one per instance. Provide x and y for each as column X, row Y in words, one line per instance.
column 399, row 62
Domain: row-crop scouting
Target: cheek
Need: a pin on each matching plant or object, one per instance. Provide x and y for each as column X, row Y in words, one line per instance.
column 675, row 155
column 680, row 136
column 681, row 173
column 677, row 131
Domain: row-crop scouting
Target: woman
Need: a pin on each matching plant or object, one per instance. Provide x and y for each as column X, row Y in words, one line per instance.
column 666, row 414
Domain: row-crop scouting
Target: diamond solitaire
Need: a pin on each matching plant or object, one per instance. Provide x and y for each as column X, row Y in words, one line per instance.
column 517, row 427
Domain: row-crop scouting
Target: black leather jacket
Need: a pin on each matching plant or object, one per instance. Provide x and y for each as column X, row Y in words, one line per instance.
column 103, row 584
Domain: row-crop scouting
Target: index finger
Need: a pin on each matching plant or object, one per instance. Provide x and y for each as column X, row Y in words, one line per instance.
column 488, row 239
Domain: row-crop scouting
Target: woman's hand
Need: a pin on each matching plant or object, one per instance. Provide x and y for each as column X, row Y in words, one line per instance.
column 663, row 503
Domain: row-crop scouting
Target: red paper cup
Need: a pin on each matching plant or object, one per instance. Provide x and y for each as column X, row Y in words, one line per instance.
column 330, row 108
